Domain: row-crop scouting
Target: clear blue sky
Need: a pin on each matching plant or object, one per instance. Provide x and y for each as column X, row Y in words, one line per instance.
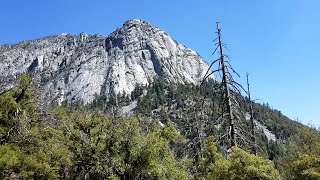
column 276, row 41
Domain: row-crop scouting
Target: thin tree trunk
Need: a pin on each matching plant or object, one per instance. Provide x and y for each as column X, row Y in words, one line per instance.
column 254, row 145
column 232, row 139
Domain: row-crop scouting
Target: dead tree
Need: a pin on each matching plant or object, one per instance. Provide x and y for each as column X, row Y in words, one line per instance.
column 230, row 92
column 253, row 136
column 225, row 81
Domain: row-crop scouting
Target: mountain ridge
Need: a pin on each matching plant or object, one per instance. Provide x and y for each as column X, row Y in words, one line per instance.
column 77, row 68
column 166, row 106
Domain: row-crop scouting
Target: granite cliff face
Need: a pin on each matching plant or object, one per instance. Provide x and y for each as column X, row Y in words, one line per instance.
column 76, row 68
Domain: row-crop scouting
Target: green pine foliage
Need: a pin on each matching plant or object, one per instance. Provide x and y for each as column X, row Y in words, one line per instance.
column 104, row 148
column 305, row 167
column 248, row 166
column 183, row 102
column 39, row 142
column 28, row 148
column 79, row 144
column 240, row 165
column 212, row 165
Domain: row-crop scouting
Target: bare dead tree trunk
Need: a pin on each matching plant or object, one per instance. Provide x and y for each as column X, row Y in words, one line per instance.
column 232, row 139
column 231, row 98
column 199, row 136
column 254, row 143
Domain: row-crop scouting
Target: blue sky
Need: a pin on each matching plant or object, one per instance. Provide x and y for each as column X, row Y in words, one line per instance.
column 276, row 41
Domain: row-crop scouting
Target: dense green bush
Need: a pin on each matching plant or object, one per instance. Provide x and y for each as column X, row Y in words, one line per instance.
column 238, row 165
column 39, row 142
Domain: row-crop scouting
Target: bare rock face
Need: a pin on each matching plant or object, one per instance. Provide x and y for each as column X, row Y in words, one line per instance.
column 76, row 68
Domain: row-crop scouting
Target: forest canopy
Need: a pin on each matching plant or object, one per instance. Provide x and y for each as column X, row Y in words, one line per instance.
column 39, row 141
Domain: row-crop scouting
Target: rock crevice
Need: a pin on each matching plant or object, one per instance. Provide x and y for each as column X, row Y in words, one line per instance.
column 77, row 68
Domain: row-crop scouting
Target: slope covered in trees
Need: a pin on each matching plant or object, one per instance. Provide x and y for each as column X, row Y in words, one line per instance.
column 194, row 111
column 68, row 142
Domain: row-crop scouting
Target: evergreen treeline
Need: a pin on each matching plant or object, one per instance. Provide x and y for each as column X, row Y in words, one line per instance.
column 51, row 142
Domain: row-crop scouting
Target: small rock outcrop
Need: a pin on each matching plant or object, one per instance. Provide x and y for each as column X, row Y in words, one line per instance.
column 77, row 68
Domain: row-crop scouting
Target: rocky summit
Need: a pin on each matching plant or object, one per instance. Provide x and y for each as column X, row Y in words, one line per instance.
column 77, row 68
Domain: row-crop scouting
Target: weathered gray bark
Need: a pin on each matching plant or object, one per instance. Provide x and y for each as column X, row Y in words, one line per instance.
column 253, row 136
column 232, row 138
